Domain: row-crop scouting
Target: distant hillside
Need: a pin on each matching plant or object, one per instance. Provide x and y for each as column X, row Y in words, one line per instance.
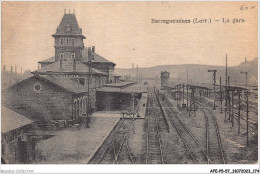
column 199, row 73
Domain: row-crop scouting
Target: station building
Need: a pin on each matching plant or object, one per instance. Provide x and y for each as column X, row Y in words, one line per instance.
column 59, row 88
column 63, row 86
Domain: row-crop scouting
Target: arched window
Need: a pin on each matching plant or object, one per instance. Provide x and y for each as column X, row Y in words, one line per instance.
column 74, row 110
column 77, row 115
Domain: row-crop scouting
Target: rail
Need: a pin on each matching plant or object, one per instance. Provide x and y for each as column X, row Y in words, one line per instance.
column 153, row 137
column 162, row 111
column 181, row 132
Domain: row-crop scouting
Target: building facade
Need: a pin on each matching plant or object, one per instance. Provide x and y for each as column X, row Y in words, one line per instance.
column 45, row 98
column 16, row 145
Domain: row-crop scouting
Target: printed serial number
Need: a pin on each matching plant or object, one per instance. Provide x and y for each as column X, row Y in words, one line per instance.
column 234, row 171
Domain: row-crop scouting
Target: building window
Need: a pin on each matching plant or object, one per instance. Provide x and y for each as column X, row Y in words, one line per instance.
column 72, row 41
column 61, row 41
column 82, row 81
column 61, row 55
column 37, row 87
column 67, row 41
column 72, row 55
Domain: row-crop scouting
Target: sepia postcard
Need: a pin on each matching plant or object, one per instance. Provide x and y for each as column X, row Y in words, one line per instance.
column 129, row 82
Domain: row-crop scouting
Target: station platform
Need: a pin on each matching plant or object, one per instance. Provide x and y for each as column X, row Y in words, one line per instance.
column 141, row 108
column 76, row 145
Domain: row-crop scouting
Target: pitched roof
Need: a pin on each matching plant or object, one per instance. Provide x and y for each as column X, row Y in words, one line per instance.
column 11, row 120
column 65, row 83
column 67, row 67
column 97, row 58
column 49, row 60
column 60, row 81
column 68, row 21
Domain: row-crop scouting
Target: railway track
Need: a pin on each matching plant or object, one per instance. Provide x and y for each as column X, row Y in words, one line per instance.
column 154, row 153
column 214, row 146
column 196, row 151
column 213, row 140
column 115, row 148
column 252, row 123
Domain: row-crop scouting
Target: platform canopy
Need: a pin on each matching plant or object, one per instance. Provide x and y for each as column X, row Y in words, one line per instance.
column 124, row 88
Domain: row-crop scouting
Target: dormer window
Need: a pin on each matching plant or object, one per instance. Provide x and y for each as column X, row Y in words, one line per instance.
column 72, row 55
column 61, row 41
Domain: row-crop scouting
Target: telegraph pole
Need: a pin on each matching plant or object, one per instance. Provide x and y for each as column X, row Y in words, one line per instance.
column 214, row 83
column 220, row 95
column 183, row 94
column 187, row 89
column 247, row 93
column 90, row 58
column 229, row 106
column 239, row 94
column 232, row 92
column 179, row 95
column 226, row 91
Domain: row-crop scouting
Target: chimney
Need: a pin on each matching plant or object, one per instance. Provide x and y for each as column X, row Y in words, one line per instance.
column 60, row 63
column 93, row 49
column 4, row 67
column 15, row 69
column 11, row 69
column 74, row 65
column 89, row 54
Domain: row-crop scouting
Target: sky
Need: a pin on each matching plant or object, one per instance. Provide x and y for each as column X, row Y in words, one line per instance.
column 122, row 32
